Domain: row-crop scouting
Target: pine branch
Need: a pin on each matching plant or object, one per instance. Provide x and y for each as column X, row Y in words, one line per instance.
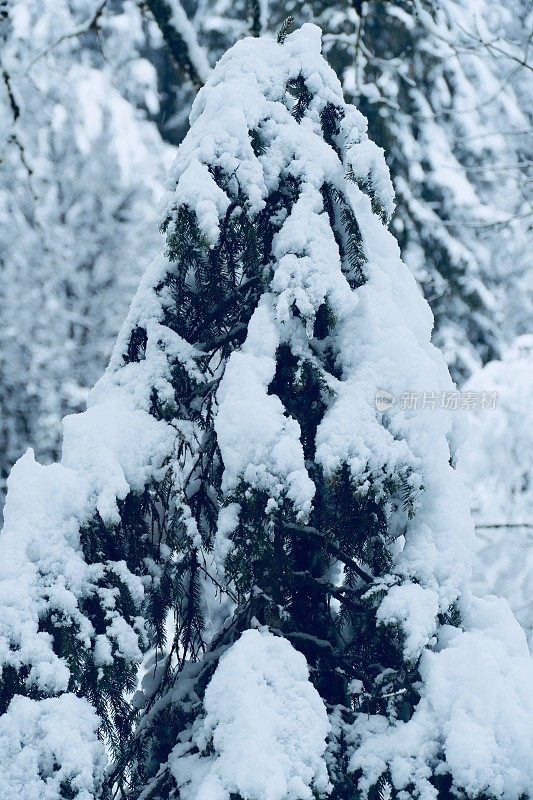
column 224, row 338
column 285, row 29
column 309, row 532
column 225, row 303
column 342, row 593
column 305, row 638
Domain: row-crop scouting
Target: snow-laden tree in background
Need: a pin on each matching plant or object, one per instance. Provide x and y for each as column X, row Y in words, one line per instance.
column 80, row 175
column 447, row 88
column 293, row 561
column 448, row 114
column 497, row 466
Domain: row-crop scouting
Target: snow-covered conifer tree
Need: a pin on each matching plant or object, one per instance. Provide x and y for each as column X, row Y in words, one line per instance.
column 244, row 502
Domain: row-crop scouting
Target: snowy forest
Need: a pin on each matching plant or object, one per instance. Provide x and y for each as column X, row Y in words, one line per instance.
column 266, row 398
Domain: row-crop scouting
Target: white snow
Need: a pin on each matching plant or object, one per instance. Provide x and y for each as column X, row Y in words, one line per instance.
column 308, row 269
column 228, row 520
column 45, row 744
column 476, row 706
column 367, row 164
column 415, row 609
column 209, row 204
column 117, row 447
column 258, row 443
column 496, row 464
column 267, row 723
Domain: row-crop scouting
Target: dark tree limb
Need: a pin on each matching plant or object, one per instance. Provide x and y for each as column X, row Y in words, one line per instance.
column 309, row 532
column 179, row 48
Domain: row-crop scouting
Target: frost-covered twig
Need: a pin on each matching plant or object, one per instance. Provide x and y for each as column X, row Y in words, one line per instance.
column 90, row 24
column 495, row 46
column 478, row 41
column 15, row 139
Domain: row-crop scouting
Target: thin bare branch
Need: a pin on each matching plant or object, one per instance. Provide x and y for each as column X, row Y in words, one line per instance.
column 496, row 525
column 90, row 24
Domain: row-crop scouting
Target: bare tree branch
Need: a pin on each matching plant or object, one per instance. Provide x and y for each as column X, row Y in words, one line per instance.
column 14, row 138
column 495, row 525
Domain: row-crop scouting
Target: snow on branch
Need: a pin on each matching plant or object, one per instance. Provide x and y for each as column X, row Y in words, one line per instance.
column 180, row 37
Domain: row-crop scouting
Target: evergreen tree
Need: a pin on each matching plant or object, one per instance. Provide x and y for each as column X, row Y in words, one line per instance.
column 244, row 504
